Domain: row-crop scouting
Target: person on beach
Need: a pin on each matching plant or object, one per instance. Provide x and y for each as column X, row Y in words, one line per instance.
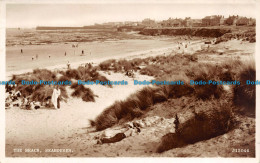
column 32, row 58
column 68, row 64
column 21, row 51
column 36, row 56
column 82, row 52
column 65, row 54
column 56, row 97
column 49, row 56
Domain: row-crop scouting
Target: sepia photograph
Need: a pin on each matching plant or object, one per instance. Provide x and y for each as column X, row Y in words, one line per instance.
column 130, row 79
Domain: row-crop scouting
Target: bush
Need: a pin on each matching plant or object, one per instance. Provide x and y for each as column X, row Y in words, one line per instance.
column 150, row 70
column 72, row 74
column 38, row 92
column 85, row 93
column 210, row 119
column 106, row 65
column 244, row 94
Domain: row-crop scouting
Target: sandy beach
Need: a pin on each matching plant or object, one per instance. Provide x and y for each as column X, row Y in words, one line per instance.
column 69, row 126
column 30, row 130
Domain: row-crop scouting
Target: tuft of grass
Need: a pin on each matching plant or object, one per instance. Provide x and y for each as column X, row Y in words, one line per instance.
column 245, row 94
column 86, row 94
column 151, row 70
column 106, row 65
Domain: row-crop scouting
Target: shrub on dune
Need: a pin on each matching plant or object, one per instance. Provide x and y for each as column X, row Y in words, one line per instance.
column 64, row 78
column 159, row 95
column 44, row 74
column 106, row 119
column 145, row 97
column 210, row 119
column 125, row 64
column 38, row 92
column 150, row 70
column 206, row 72
column 137, row 61
column 42, row 93
column 72, row 74
column 244, row 94
column 88, row 95
column 85, row 93
column 106, row 65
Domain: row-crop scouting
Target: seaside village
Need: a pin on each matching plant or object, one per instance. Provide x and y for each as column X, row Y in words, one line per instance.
column 214, row 20
column 208, row 21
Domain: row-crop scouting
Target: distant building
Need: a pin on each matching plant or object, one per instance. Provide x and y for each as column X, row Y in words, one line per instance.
column 213, row 20
column 113, row 24
column 222, row 21
column 251, row 22
column 194, row 23
column 130, row 23
column 241, row 21
column 172, row 23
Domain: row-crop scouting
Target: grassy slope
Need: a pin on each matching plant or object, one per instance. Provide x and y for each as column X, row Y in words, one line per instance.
column 214, row 104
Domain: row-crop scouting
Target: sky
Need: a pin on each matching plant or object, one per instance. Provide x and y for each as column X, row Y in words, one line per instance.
column 32, row 15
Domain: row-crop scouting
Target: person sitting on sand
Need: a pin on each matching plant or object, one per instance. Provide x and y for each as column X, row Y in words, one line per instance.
column 55, row 97
column 28, row 104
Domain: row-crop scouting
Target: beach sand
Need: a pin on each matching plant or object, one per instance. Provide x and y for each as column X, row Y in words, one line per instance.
column 68, row 126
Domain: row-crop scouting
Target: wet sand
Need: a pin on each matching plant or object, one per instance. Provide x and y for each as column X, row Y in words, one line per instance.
column 92, row 50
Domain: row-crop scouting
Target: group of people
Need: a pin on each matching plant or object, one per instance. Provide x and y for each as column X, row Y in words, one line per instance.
column 15, row 98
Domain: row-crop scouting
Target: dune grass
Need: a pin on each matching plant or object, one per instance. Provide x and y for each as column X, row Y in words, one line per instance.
column 244, row 94
column 210, row 118
column 86, row 94
column 42, row 92
column 138, row 103
column 38, row 92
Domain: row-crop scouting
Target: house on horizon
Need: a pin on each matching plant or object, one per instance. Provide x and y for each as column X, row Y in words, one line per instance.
column 193, row 22
column 213, row 20
column 172, row 23
column 251, row 22
column 236, row 20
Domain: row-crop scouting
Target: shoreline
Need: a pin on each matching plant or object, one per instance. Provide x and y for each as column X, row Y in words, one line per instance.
column 141, row 54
